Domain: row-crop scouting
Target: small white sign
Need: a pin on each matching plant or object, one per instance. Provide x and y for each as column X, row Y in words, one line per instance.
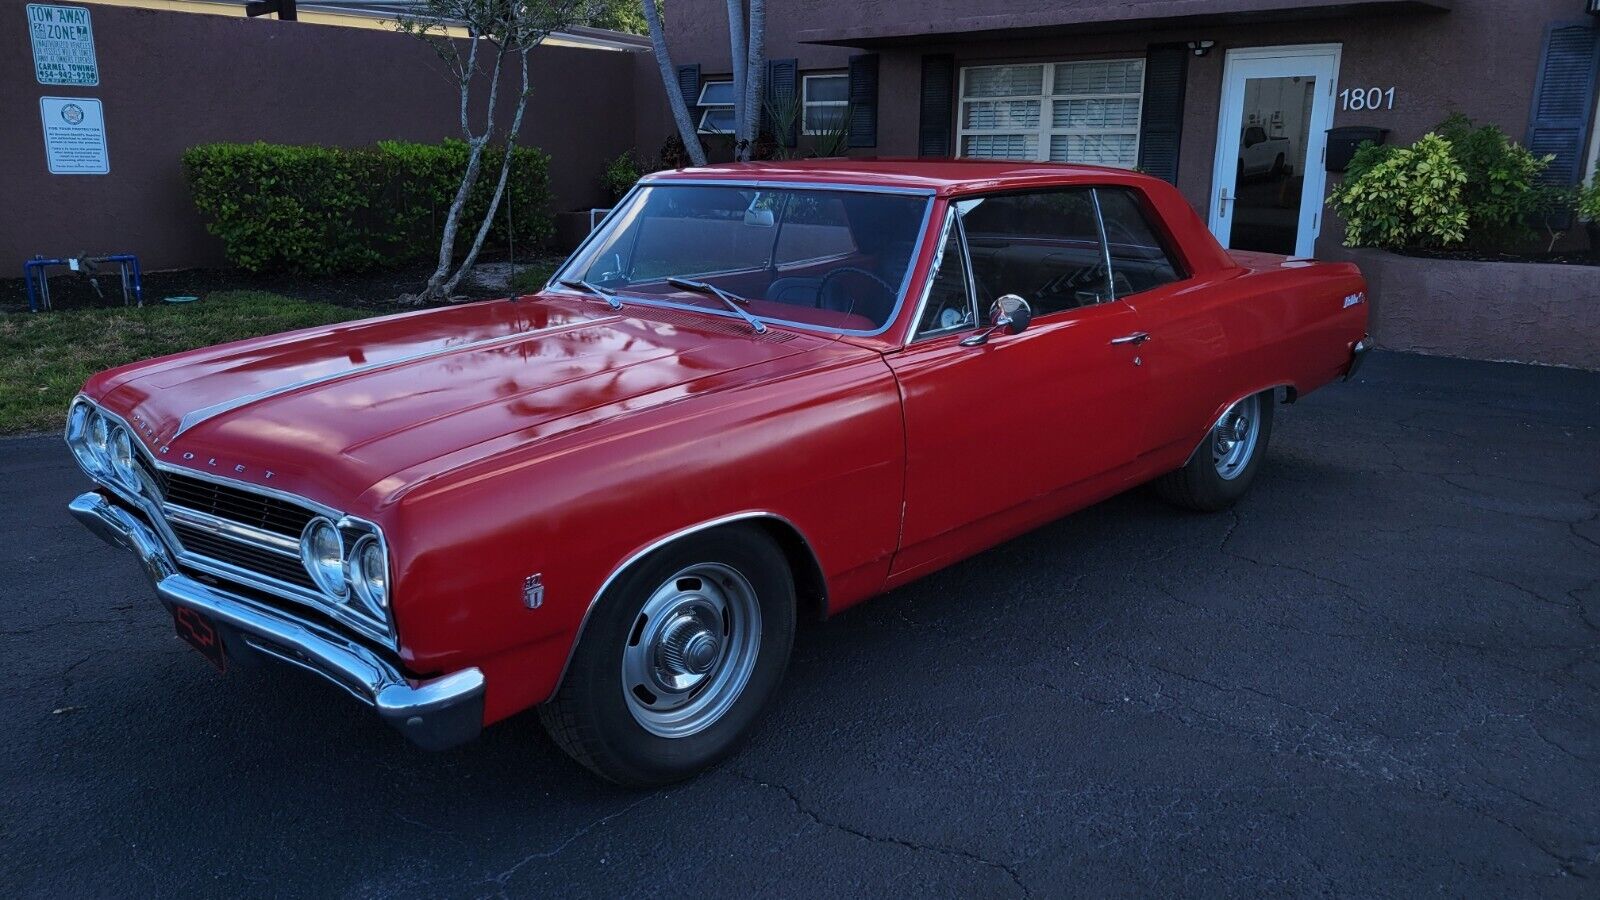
column 74, row 136
column 63, row 45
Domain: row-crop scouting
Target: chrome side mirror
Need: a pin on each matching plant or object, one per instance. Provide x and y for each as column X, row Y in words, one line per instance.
column 1009, row 312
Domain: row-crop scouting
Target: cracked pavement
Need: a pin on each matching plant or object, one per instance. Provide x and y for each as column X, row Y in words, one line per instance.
column 1379, row 675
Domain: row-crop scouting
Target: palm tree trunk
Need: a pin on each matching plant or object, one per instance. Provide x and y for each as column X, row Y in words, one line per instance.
column 669, row 80
column 736, row 43
column 755, row 69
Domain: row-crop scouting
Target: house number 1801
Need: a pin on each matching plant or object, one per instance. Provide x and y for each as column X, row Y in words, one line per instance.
column 1366, row 98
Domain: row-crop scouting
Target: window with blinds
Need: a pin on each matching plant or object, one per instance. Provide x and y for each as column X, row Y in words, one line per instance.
column 1081, row 112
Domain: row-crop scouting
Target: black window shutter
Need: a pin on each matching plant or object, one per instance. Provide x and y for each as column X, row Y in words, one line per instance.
column 1166, row 68
column 1563, row 100
column 938, row 103
column 783, row 97
column 864, row 100
column 689, row 86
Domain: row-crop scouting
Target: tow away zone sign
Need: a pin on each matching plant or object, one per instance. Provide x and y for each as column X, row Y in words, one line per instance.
column 63, row 45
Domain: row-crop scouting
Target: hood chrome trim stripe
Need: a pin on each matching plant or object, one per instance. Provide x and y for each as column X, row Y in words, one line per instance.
column 196, row 417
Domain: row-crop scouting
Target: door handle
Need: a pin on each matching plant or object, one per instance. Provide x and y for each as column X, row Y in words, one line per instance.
column 1138, row 337
column 1222, row 200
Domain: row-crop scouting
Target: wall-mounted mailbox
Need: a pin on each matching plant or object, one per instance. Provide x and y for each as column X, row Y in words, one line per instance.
column 1343, row 141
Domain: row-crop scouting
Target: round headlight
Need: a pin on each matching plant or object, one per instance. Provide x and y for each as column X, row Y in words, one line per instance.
column 78, row 435
column 122, row 461
column 370, row 571
column 100, row 441
column 322, row 551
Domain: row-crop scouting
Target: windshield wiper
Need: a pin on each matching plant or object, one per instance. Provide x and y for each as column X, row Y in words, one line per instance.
column 733, row 301
column 606, row 294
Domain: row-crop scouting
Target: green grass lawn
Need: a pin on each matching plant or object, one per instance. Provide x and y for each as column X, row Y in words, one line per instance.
column 532, row 278
column 45, row 357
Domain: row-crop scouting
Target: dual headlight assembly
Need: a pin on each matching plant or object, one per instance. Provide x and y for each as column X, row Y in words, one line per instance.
column 365, row 572
column 105, row 450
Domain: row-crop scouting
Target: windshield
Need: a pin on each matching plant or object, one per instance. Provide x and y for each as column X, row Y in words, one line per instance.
column 832, row 259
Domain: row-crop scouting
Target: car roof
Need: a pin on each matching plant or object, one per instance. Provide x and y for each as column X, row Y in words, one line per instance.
column 940, row 176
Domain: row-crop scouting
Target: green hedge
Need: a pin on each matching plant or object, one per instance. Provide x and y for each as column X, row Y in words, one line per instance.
column 321, row 210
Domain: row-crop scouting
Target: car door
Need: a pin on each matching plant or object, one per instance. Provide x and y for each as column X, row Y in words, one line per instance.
column 1016, row 430
column 1189, row 355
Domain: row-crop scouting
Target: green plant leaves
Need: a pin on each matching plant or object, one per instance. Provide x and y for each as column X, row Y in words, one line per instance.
column 322, row 210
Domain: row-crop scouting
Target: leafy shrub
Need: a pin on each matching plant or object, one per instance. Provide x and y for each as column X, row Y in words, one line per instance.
column 1588, row 201
column 1406, row 197
column 621, row 175
column 1502, row 194
column 1366, row 156
column 321, row 210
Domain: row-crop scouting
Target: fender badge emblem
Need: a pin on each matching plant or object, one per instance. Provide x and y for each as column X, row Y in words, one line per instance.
column 533, row 591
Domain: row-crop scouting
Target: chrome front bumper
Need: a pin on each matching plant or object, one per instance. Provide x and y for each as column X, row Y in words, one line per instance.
column 434, row 714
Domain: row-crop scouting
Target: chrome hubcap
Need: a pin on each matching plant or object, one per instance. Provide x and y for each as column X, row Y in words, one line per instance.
column 691, row 650
column 1234, row 436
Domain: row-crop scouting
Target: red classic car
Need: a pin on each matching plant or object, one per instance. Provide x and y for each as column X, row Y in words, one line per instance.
column 758, row 393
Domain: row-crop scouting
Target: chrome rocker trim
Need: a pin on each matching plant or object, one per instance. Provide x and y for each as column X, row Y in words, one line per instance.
column 434, row 714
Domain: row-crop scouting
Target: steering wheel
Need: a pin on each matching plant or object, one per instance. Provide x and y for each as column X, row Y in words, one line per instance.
column 822, row 289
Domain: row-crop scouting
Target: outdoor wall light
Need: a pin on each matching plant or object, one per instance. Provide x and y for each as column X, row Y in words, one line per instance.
column 1201, row 48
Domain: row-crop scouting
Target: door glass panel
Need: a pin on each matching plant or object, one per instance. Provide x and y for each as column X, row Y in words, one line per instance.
column 1044, row 247
column 1272, row 163
column 1139, row 259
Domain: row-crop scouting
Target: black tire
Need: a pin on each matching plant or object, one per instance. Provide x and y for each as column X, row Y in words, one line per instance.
column 1200, row 486
column 1278, row 167
column 590, row 718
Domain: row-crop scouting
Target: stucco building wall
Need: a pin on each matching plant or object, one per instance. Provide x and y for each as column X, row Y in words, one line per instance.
column 170, row 80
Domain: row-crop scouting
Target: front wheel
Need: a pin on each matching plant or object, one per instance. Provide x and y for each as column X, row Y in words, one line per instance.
column 1220, row 472
column 678, row 660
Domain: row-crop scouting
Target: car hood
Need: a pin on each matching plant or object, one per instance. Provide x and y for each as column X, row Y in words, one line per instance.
column 331, row 413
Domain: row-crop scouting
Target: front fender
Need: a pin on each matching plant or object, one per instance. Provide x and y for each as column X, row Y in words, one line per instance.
column 815, row 441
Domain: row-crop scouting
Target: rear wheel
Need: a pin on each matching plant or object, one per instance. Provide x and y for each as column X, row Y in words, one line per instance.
column 1221, row 471
column 678, row 660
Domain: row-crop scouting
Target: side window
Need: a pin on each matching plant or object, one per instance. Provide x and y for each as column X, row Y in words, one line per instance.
column 949, row 305
column 1044, row 247
column 1139, row 259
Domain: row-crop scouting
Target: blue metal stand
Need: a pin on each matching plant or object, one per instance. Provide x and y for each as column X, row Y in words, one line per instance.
column 127, row 265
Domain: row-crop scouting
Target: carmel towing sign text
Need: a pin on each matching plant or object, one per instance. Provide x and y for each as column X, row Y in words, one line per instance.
column 63, row 45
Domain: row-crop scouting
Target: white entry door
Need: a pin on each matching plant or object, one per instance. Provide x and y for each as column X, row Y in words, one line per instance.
column 1272, row 137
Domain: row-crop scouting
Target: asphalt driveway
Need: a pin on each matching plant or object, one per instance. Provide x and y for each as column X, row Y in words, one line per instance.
column 1380, row 675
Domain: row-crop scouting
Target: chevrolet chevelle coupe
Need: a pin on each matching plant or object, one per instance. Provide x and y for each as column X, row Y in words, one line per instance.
column 757, row 393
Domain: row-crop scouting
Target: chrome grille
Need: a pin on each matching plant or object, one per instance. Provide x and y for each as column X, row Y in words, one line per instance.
column 259, row 510
column 246, row 535
column 244, row 556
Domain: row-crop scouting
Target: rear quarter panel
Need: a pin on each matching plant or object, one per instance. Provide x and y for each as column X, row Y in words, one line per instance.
column 1268, row 323
column 815, row 438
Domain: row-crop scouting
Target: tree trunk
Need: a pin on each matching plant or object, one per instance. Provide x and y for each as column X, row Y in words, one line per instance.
column 736, row 42
column 755, row 71
column 500, row 186
column 669, row 80
column 441, row 282
column 436, row 289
